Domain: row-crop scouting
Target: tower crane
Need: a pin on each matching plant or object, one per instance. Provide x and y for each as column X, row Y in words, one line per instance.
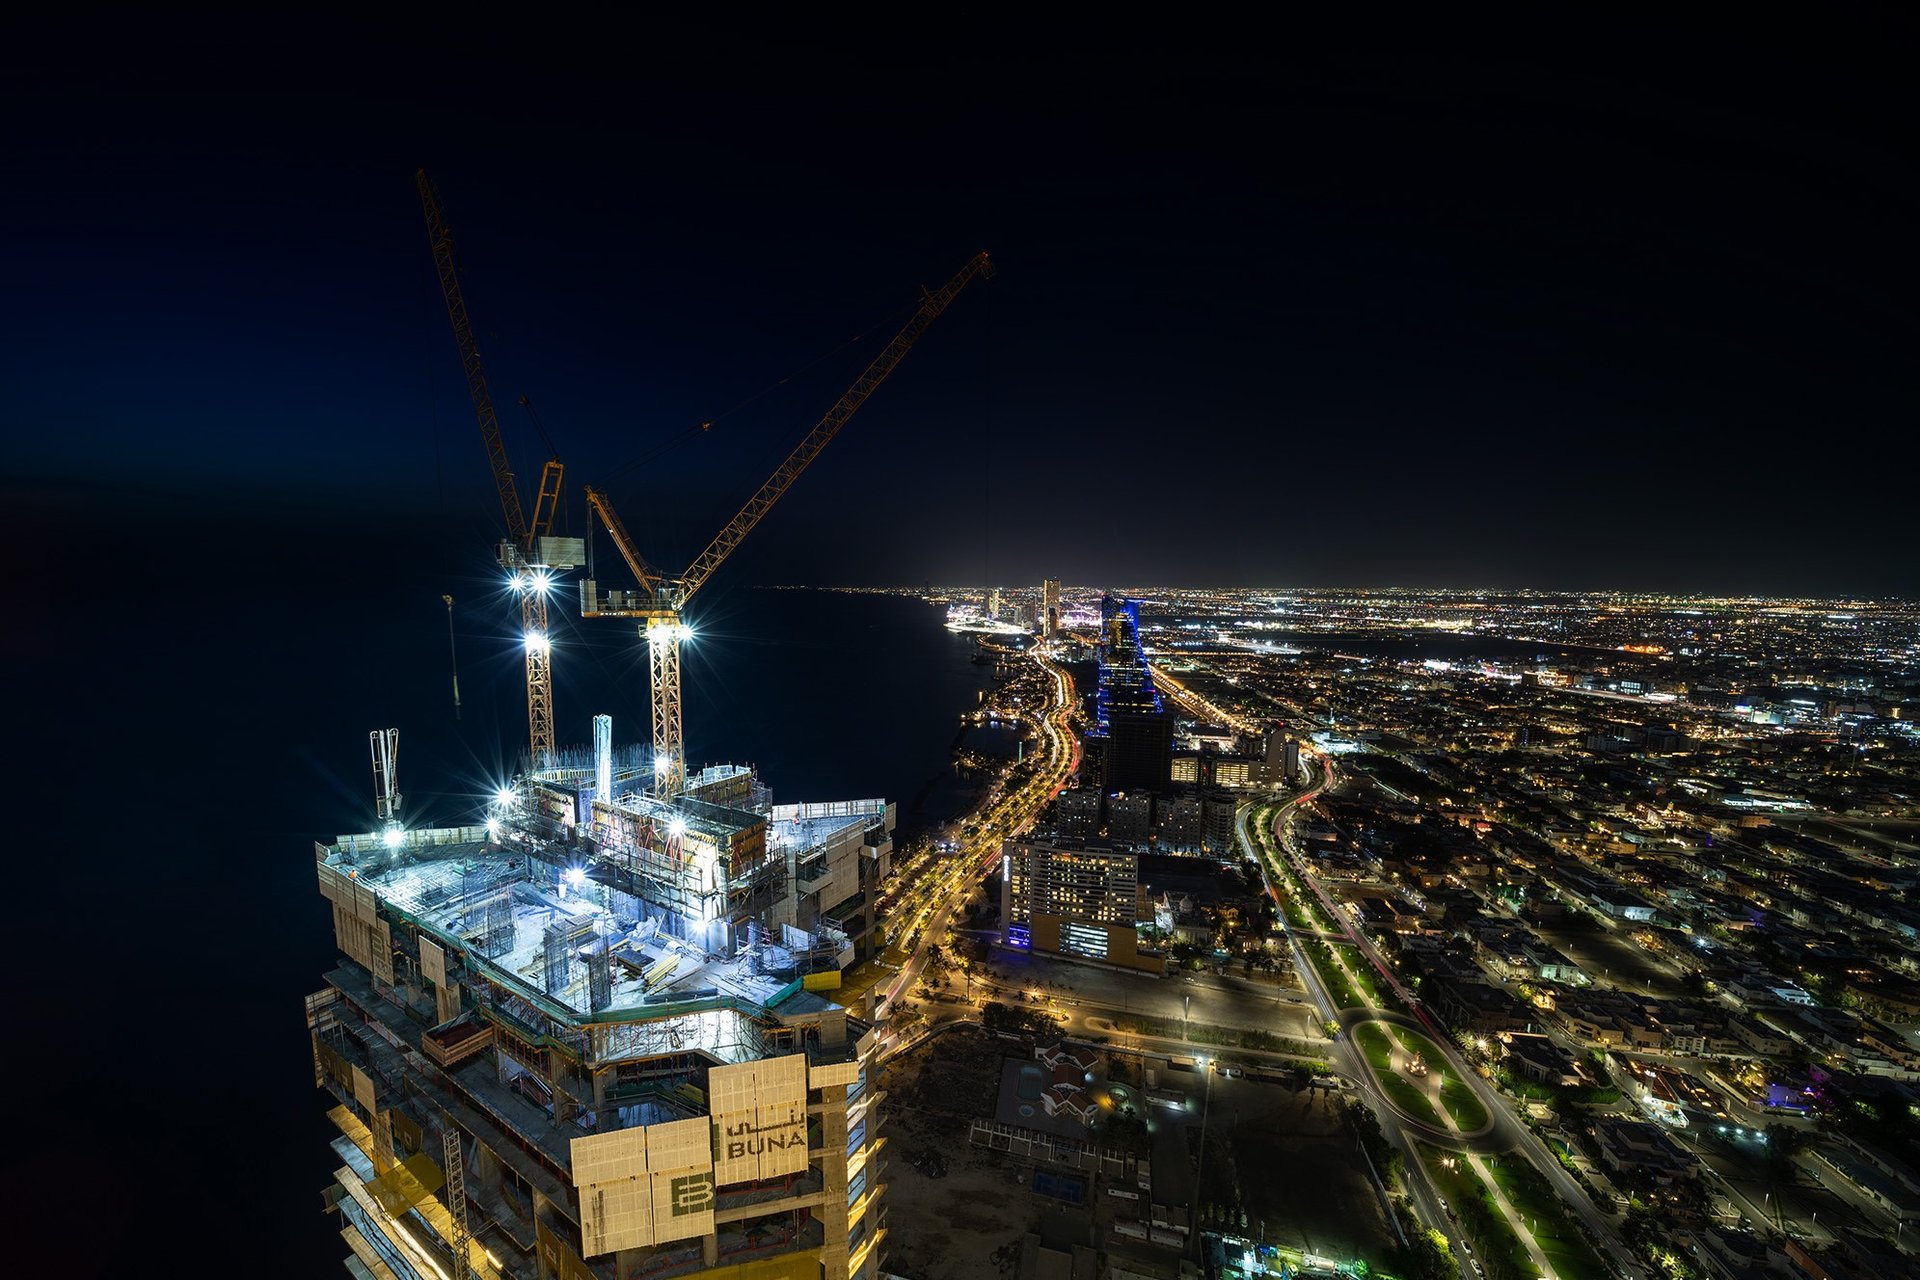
column 529, row 553
column 660, row 599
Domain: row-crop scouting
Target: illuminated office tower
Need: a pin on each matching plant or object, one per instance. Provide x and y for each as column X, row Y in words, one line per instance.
column 1075, row 897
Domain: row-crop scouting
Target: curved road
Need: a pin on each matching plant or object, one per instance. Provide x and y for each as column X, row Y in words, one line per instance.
column 1506, row 1132
column 934, row 898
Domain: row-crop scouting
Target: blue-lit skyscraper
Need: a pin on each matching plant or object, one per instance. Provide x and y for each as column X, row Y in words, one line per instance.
column 1136, row 731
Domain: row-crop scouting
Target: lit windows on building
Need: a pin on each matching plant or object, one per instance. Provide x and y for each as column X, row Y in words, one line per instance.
column 1084, row 940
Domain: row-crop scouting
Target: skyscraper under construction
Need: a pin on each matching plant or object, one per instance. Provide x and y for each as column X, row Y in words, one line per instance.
column 593, row 1036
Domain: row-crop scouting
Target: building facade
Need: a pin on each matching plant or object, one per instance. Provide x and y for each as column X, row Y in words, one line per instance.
column 590, row 1040
column 1080, row 898
column 1132, row 734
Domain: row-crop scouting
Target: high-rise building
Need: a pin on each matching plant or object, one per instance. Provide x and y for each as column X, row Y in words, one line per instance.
column 1139, row 751
column 1130, row 818
column 1049, row 608
column 588, row 1039
column 1075, row 898
column 1135, row 731
column 1218, row 810
column 1125, row 682
column 1077, row 812
column 1182, row 824
column 1197, row 820
column 836, row 855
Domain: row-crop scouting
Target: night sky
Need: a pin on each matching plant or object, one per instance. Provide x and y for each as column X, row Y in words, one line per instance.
column 1567, row 305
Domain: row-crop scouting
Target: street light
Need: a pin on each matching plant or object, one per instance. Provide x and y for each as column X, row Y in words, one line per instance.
column 1201, row 1165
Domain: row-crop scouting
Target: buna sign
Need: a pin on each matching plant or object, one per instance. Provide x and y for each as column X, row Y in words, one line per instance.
column 745, row 1138
column 759, row 1112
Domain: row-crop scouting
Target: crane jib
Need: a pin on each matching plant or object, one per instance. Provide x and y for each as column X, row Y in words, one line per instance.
column 661, row 598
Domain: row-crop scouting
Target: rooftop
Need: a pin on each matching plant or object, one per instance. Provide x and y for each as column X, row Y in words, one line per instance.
column 545, row 935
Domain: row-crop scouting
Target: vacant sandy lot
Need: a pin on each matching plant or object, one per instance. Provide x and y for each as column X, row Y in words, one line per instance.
column 967, row 1224
column 1285, row 1159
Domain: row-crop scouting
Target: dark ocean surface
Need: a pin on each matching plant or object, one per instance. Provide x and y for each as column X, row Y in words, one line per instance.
column 192, row 748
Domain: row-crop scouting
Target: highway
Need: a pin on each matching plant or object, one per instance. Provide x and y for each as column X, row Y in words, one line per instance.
column 1346, row 1059
column 1508, row 1131
column 933, row 892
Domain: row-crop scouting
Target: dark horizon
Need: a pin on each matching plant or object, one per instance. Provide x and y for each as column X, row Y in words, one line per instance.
column 452, row 555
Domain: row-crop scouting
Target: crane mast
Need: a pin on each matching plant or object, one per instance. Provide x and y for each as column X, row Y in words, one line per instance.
column 384, row 745
column 529, row 553
column 660, row 599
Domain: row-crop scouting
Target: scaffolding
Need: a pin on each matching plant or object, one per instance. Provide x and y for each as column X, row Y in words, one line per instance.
column 685, row 865
column 726, row 1034
column 579, row 763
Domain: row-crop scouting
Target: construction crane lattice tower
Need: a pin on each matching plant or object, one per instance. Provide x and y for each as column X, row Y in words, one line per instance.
column 660, row 599
column 529, row 553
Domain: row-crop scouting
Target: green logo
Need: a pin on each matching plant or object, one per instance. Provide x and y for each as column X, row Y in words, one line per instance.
column 692, row 1193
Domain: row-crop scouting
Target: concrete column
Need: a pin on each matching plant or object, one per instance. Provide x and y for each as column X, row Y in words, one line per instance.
column 833, row 1177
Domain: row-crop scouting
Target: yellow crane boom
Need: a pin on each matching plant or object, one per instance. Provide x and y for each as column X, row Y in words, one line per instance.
column 528, row 552
column 660, row 598
column 829, row 426
column 441, row 238
column 648, row 576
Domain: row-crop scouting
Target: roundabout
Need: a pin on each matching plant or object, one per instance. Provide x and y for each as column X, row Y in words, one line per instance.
column 1412, row 1077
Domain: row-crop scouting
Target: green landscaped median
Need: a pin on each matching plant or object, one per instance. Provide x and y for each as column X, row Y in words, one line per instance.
column 1303, row 909
column 1372, row 1039
column 1403, row 1093
column 1475, row 1216
column 1466, row 1109
column 1552, row 1225
column 1410, row 1099
column 1379, row 994
column 1455, row 1094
